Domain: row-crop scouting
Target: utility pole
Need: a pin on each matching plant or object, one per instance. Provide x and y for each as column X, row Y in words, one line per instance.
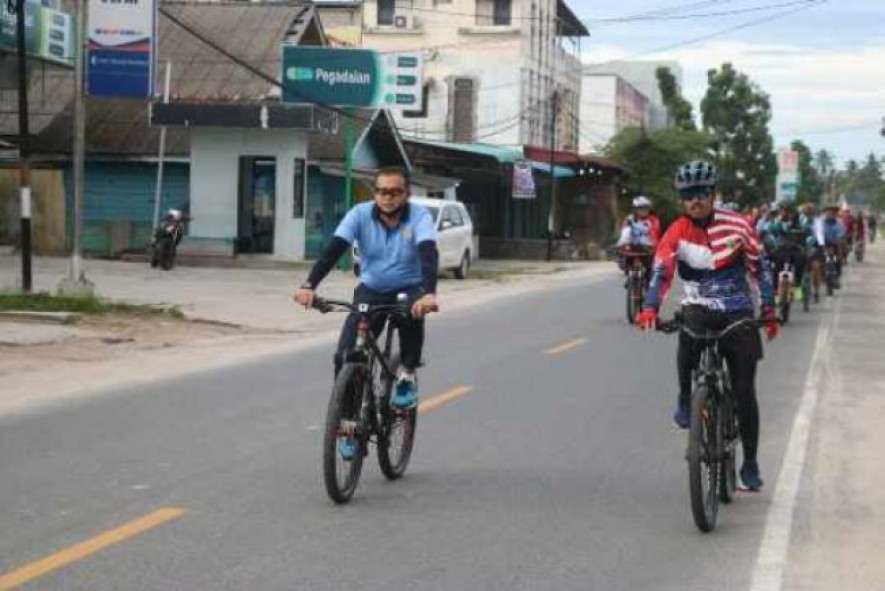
column 24, row 148
column 551, row 217
column 75, row 283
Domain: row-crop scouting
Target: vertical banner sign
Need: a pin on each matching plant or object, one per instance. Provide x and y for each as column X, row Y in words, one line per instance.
column 120, row 45
column 523, row 181
column 787, row 175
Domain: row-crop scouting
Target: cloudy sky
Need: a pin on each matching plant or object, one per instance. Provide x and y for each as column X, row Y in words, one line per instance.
column 823, row 64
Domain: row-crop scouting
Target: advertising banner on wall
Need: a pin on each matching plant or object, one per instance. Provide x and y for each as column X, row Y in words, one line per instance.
column 352, row 77
column 523, row 181
column 49, row 33
column 120, row 45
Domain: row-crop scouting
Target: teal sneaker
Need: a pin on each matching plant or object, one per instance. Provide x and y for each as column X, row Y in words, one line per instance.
column 347, row 449
column 750, row 476
column 405, row 396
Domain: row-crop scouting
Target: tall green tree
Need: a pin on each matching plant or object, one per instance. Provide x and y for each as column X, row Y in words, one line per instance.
column 679, row 109
column 811, row 187
column 651, row 160
column 736, row 113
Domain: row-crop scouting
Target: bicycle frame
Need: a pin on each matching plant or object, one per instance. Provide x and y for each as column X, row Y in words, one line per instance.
column 367, row 352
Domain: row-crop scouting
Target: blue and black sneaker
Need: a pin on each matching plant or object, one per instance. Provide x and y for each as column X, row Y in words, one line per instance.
column 750, row 476
column 347, row 449
column 682, row 416
column 405, row 396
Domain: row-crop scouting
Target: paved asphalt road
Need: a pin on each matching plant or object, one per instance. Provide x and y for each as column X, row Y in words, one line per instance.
column 556, row 471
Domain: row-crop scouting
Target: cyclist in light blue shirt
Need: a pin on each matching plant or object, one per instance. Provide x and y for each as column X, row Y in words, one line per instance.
column 397, row 242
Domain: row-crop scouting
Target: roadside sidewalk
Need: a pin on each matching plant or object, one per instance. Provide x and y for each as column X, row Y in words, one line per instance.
column 235, row 315
column 839, row 524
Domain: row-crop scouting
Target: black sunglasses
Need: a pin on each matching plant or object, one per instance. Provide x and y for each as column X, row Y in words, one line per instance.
column 695, row 196
column 392, row 192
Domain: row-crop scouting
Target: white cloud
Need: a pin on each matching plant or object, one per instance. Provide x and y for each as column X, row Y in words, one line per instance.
column 811, row 90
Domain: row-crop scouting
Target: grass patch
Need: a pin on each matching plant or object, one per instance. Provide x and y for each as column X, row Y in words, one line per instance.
column 45, row 302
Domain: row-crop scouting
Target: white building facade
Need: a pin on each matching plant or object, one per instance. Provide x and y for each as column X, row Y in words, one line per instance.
column 643, row 76
column 491, row 67
column 609, row 104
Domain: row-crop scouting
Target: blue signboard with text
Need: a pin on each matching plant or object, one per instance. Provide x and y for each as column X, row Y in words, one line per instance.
column 120, row 46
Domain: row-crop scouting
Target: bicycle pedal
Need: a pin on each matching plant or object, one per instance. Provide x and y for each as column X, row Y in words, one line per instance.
column 347, row 429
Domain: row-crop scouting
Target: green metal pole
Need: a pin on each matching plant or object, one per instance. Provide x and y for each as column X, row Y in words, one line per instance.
column 349, row 132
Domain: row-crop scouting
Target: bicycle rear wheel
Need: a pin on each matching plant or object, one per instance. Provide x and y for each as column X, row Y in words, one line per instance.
column 785, row 297
column 806, row 291
column 704, row 448
column 344, row 432
column 397, row 433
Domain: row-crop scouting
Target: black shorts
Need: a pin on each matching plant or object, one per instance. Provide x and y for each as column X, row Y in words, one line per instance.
column 743, row 342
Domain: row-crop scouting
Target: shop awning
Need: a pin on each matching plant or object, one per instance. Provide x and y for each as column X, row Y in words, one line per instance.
column 428, row 181
column 559, row 172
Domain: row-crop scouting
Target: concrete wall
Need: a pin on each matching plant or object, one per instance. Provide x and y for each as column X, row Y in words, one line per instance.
column 47, row 210
column 215, row 155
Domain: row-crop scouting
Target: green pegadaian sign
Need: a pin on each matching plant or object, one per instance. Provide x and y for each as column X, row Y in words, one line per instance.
column 351, row 77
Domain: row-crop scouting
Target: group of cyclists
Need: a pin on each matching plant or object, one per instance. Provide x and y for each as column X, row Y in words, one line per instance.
column 729, row 262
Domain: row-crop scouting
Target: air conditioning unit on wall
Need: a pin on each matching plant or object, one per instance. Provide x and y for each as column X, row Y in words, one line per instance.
column 404, row 20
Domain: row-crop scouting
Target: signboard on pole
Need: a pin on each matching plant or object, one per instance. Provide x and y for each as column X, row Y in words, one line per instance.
column 352, row 77
column 49, row 33
column 120, row 44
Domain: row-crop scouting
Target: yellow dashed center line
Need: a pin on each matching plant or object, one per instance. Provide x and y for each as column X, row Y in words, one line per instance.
column 440, row 399
column 82, row 550
column 565, row 347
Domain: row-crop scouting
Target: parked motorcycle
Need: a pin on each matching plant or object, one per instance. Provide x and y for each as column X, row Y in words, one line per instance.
column 167, row 236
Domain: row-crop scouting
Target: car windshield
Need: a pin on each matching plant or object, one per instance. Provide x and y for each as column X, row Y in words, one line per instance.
column 434, row 212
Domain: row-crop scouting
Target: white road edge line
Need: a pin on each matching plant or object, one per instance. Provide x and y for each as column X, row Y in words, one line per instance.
column 768, row 573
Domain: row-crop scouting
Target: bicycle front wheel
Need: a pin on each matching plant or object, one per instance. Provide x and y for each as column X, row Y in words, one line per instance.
column 704, row 450
column 344, row 440
column 397, row 435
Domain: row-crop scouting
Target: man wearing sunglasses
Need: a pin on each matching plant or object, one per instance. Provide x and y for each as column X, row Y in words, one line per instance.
column 398, row 255
column 721, row 263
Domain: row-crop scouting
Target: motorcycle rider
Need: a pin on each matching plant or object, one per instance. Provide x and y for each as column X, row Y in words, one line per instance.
column 720, row 261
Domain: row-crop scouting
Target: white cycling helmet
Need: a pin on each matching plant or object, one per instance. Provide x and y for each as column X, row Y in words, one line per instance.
column 641, row 202
column 697, row 174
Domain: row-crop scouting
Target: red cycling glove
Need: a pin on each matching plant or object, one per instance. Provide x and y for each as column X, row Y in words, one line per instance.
column 647, row 319
column 771, row 326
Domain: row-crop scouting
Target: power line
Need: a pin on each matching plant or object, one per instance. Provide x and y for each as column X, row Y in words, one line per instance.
column 807, row 4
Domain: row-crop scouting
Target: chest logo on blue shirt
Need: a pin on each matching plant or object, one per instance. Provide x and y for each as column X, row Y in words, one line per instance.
column 407, row 233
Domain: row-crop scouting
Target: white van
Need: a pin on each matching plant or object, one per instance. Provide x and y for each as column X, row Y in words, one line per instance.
column 454, row 238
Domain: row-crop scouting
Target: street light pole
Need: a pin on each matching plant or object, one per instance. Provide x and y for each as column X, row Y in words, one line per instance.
column 551, row 217
column 24, row 143
column 76, row 283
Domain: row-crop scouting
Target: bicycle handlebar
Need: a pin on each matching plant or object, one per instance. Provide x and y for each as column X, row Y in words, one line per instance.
column 324, row 306
column 677, row 324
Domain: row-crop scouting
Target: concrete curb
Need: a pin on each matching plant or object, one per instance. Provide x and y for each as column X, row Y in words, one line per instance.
column 40, row 317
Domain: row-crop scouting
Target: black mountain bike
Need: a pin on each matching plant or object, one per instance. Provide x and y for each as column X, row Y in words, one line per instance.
column 360, row 411
column 713, row 432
